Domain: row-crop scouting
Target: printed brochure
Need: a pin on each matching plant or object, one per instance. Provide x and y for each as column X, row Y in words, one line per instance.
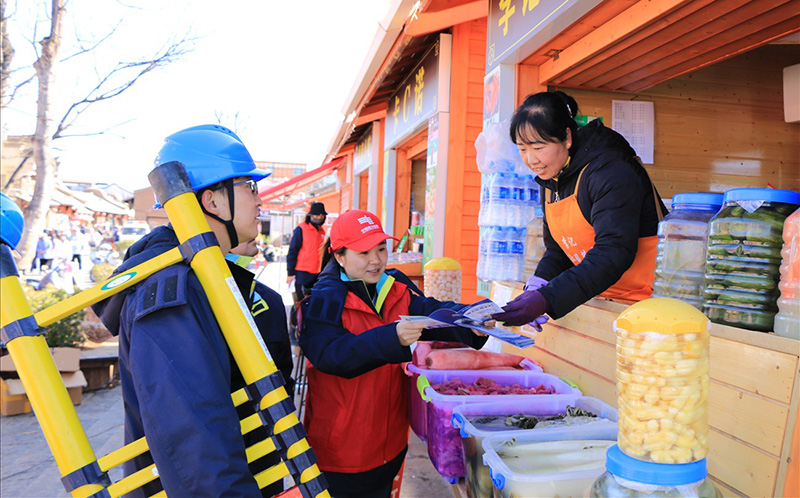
column 473, row 316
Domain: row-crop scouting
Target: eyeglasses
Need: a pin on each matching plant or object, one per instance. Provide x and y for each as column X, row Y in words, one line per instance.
column 251, row 183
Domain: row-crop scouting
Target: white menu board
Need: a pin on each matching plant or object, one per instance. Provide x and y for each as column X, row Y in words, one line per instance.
column 635, row 121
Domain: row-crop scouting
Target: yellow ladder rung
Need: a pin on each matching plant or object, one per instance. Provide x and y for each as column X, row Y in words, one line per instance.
column 260, row 449
column 272, row 474
column 97, row 293
column 133, row 481
column 250, row 423
column 160, row 494
column 122, row 455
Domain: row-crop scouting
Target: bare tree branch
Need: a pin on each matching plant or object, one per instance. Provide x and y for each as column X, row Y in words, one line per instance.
column 18, row 169
column 103, row 132
column 98, row 93
column 84, row 49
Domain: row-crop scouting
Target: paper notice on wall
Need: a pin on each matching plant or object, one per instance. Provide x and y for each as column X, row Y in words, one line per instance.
column 636, row 122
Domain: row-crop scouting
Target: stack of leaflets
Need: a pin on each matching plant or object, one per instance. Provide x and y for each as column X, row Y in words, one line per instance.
column 475, row 317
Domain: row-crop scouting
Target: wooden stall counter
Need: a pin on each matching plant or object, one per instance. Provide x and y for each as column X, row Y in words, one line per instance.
column 753, row 395
column 412, row 270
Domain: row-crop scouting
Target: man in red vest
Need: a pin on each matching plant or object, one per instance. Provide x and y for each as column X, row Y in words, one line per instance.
column 305, row 250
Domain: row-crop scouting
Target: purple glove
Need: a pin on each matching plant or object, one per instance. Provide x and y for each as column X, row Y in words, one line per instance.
column 525, row 308
column 535, row 283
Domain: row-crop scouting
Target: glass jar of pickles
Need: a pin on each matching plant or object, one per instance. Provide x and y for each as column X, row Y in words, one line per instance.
column 744, row 257
column 787, row 321
column 443, row 279
column 682, row 241
column 662, row 381
column 630, row 478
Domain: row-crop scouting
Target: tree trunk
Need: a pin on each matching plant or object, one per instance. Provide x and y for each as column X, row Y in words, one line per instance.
column 36, row 212
column 7, row 54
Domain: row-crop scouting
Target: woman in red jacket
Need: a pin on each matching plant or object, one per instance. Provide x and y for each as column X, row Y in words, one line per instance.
column 357, row 405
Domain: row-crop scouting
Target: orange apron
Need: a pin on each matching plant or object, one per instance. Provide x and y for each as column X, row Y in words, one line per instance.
column 576, row 236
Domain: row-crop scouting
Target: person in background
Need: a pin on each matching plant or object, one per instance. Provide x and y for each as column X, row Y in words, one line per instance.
column 78, row 241
column 357, row 405
column 303, row 258
column 601, row 211
column 44, row 250
column 269, row 314
column 174, row 363
column 62, row 250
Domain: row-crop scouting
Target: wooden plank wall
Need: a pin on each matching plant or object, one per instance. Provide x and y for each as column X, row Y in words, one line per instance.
column 753, row 394
column 720, row 127
column 463, row 178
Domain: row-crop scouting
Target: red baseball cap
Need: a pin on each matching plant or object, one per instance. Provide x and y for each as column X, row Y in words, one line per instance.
column 357, row 230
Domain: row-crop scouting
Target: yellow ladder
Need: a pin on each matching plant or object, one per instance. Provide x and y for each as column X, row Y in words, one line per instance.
column 83, row 474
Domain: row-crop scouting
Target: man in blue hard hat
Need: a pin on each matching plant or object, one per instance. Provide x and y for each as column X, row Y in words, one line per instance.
column 11, row 222
column 176, row 370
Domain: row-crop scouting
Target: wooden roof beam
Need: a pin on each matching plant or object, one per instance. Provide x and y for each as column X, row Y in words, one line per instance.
column 627, row 23
column 431, row 22
column 371, row 113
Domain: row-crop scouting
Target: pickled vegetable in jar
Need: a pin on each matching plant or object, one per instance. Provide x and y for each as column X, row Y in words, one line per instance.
column 662, row 381
column 744, row 257
column 682, row 241
column 443, row 279
column 787, row 321
column 630, row 478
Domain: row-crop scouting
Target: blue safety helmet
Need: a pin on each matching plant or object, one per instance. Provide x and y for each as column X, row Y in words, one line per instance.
column 11, row 221
column 210, row 154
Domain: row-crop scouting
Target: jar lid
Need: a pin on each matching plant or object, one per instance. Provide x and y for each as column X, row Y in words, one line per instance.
column 763, row 194
column 663, row 315
column 697, row 198
column 442, row 264
column 658, row 474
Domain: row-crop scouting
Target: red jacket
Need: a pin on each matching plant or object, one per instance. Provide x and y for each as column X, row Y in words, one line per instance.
column 309, row 256
column 368, row 415
column 357, row 405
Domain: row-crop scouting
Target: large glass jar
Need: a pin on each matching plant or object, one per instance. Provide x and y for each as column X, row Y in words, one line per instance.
column 787, row 321
column 682, row 241
column 662, row 381
column 630, row 478
column 744, row 257
column 442, row 278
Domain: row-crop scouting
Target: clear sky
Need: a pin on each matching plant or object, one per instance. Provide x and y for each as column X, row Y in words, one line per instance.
column 285, row 67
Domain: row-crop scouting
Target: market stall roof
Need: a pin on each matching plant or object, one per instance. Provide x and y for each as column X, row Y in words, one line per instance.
column 300, row 181
column 632, row 46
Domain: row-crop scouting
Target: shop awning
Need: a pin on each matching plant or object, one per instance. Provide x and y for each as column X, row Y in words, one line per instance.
column 298, row 182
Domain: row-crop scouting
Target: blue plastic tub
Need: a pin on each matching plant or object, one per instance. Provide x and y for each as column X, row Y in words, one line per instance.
column 418, row 409
column 444, row 441
column 478, row 479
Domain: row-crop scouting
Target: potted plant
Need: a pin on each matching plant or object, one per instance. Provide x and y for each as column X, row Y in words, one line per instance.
column 65, row 336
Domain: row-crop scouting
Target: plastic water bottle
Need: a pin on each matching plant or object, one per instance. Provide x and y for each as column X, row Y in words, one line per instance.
column 485, row 193
column 502, row 208
column 483, row 253
column 498, row 251
column 514, row 202
column 531, row 197
column 494, row 199
column 517, row 254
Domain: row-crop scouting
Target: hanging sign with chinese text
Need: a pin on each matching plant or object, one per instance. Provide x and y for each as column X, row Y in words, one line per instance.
column 366, row 151
column 415, row 100
column 519, row 27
